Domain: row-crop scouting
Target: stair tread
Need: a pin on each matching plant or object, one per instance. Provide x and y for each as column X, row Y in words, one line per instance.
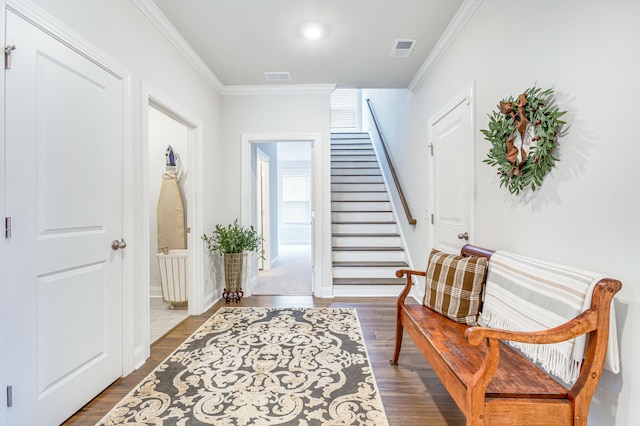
column 380, row 248
column 368, row 263
column 351, row 191
column 358, row 222
column 361, row 211
column 383, row 234
column 354, row 174
column 369, row 281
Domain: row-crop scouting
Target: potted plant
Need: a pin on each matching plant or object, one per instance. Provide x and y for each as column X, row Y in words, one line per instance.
column 231, row 242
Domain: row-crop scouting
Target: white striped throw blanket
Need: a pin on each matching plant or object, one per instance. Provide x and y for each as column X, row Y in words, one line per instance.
column 524, row 294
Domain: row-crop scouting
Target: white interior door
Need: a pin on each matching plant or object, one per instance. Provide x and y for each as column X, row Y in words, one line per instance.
column 64, row 135
column 262, row 194
column 452, row 178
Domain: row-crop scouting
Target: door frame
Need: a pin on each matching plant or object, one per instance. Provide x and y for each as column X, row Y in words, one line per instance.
column 262, row 208
column 317, row 264
column 154, row 98
column 4, row 321
column 466, row 95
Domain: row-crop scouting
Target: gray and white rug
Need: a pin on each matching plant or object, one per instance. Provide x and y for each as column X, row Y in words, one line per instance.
column 261, row 366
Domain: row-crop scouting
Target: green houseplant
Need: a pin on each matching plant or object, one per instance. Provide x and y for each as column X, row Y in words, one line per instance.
column 231, row 242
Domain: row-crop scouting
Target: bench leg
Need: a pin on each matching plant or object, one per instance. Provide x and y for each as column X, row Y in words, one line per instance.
column 399, row 333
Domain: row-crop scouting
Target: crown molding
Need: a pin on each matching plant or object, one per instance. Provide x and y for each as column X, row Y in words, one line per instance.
column 456, row 25
column 156, row 16
column 286, row 89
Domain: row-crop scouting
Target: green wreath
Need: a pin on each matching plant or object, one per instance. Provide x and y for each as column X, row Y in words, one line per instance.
column 523, row 133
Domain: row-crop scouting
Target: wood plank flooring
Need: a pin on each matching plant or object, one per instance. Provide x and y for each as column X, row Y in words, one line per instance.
column 411, row 393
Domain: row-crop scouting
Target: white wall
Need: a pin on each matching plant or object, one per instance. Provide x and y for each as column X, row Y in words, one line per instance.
column 586, row 213
column 123, row 32
column 163, row 131
column 281, row 114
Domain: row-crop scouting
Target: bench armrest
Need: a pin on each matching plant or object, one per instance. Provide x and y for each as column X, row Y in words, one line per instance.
column 583, row 323
column 409, row 273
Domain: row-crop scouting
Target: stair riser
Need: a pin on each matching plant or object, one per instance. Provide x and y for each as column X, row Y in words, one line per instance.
column 365, row 241
column 355, row 172
column 357, row 179
column 345, row 206
column 351, row 146
column 359, row 196
column 358, row 187
column 355, row 165
column 361, row 216
column 347, row 139
column 351, row 151
column 371, row 256
column 358, row 272
column 364, row 228
column 355, row 157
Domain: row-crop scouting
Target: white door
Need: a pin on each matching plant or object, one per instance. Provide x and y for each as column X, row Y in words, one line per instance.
column 64, row 176
column 262, row 194
column 452, row 178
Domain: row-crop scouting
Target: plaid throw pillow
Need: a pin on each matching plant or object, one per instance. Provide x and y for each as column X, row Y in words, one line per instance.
column 453, row 286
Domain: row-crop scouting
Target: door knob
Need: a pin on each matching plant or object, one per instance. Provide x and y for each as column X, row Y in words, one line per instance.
column 115, row 244
column 464, row 236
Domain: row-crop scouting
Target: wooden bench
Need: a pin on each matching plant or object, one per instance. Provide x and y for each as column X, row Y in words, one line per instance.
column 492, row 383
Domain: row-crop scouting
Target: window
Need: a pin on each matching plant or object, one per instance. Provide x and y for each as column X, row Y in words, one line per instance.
column 296, row 198
column 344, row 109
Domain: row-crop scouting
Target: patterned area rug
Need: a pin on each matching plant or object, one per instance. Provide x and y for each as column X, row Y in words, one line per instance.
column 261, row 366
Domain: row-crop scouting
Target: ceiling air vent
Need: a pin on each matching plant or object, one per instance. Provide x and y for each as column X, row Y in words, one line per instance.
column 278, row 76
column 402, row 47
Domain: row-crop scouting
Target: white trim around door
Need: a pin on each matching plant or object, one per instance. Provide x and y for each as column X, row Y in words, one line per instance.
column 317, row 200
column 198, row 302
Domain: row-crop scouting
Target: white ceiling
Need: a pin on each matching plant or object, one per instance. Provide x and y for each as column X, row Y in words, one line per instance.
column 240, row 40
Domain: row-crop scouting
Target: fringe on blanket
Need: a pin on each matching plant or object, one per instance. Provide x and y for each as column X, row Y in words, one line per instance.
column 549, row 357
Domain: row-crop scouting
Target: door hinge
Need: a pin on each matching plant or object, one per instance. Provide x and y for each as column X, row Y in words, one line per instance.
column 7, row 227
column 431, row 149
column 432, row 219
column 7, row 56
column 9, row 396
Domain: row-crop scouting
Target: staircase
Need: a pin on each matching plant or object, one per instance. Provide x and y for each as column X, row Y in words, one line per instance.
column 367, row 248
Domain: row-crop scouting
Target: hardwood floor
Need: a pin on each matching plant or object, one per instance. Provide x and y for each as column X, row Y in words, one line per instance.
column 411, row 393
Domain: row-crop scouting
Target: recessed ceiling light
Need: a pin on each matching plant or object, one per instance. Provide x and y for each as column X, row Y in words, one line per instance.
column 313, row 31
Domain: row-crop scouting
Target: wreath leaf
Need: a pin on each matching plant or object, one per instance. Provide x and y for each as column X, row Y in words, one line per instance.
column 524, row 168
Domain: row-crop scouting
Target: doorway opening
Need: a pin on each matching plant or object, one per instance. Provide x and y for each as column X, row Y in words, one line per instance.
column 281, row 191
column 165, row 123
column 168, row 207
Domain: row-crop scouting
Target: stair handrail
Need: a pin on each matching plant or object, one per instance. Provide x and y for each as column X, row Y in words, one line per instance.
column 405, row 205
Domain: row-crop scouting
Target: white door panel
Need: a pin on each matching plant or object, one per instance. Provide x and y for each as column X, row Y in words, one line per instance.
column 64, row 191
column 452, row 165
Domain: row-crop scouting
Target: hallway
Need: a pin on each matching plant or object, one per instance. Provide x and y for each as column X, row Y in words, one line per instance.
column 291, row 275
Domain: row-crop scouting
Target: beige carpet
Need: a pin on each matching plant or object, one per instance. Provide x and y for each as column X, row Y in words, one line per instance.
column 290, row 276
